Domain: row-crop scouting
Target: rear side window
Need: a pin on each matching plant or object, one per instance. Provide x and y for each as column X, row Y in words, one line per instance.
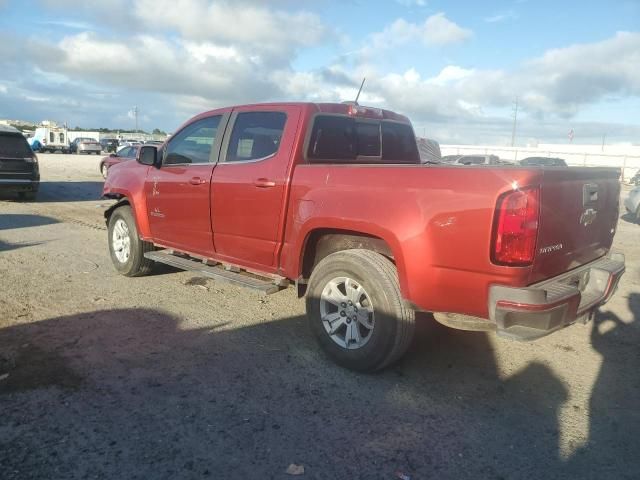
column 192, row 144
column 14, row 146
column 255, row 136
column 342, row 139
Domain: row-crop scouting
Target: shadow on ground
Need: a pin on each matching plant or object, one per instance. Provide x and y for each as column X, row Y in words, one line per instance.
column 629, row 218
column 132, row 394
column 10, row 221
column 69, row 191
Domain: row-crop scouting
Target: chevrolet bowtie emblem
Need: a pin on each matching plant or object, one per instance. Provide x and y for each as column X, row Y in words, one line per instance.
column 588, row 216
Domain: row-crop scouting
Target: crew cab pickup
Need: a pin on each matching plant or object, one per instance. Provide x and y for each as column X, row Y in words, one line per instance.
column 333, row 198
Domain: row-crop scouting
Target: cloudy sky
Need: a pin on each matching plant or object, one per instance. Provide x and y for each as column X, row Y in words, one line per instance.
column 455, row 67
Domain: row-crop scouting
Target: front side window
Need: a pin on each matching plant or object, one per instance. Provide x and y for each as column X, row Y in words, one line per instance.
column 193, row 144
column 343, row 139
column 255, row 136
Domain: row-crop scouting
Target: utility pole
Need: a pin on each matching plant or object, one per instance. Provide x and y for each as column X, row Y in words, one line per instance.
column 515, row 123
column 604, row 138
column 135, row 114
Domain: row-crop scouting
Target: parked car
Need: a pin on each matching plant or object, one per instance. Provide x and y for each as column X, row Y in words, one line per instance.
column 635, row 180
column 124, row 154
column 129, row 142
column 19, row 172
column 335, row 199
column 109, row 145
column 632, row 203
column 85, row 145
column 35, row 144
column 450, row 158
column 543, row 162
column 480, row 160
column 153, row 142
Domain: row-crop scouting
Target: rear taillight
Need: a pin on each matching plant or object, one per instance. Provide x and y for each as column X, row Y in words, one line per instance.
column 516, row 227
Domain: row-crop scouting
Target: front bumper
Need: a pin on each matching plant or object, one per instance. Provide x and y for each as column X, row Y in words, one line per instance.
column 532, row 312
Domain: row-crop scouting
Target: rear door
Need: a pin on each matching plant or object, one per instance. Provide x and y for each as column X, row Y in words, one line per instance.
column 578, row 218
column 178, row 193
column 250, row 182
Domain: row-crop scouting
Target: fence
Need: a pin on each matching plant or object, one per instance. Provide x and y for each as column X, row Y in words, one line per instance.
column 629, row 164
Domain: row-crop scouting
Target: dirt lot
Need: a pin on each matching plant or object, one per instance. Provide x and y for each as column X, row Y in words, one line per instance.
column 174, row 376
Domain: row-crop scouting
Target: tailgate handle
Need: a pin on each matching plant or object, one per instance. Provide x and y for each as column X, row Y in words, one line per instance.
column 589, row 194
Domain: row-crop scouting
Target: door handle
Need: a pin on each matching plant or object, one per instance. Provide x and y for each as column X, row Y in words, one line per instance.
column 197, row 181
column 264, row 183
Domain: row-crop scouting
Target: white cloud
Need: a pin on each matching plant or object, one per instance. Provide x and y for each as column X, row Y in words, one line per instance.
column 436, row 30
column 263, row 31
column 439, row 30
column 413, row 3
column 501, row 17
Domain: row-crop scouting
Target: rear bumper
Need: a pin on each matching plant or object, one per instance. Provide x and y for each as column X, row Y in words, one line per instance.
column 19, row 185
column 540, row 309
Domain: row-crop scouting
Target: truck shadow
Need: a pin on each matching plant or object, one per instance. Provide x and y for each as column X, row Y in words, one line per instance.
column 135, row 393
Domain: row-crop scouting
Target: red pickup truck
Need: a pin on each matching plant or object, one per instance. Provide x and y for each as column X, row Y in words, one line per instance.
column 333, row 198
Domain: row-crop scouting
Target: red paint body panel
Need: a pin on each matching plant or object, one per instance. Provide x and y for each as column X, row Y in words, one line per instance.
column 437, row 219
column 248, row 200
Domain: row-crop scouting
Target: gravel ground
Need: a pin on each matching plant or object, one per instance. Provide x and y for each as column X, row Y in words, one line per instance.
column 176, row 376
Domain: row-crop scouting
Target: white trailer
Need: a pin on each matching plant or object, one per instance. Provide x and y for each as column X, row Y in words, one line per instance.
column 52, row 138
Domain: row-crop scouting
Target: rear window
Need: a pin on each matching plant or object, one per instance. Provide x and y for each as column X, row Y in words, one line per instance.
column 342, row 139
column 13, row 145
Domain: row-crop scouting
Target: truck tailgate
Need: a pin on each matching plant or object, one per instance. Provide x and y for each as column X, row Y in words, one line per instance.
column 578, row 218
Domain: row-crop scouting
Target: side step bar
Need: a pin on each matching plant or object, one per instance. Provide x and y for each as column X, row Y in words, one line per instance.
column 218, row 273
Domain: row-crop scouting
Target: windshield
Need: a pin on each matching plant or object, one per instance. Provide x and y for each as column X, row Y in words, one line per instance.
column 14, row 145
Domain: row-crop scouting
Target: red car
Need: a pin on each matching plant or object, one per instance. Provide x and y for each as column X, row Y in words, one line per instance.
column 122, row 155
column 334, row 198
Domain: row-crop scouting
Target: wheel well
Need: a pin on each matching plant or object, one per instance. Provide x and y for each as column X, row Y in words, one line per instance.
column 322, row 243
column 109, row 211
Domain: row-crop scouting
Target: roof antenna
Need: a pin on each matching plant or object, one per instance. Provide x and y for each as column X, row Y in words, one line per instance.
column 360, row 90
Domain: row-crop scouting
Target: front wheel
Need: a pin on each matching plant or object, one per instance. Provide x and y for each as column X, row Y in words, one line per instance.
column 356, row 310
column 125, row 246
column 104, row 170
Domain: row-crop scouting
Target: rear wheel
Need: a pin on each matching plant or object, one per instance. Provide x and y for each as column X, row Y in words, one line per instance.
column 28, row 196
column 125, row 246
column 356, row 310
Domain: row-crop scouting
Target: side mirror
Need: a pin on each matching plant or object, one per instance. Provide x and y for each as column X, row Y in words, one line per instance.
column 148, row 155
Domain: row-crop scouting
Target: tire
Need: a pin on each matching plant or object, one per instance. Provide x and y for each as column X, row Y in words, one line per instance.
column 373, row 280
column 104, row 170
column 638, row 215
column 28, row 196
column 133, row 264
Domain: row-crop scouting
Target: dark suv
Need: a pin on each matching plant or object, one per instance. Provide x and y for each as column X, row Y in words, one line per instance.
column 19, row 172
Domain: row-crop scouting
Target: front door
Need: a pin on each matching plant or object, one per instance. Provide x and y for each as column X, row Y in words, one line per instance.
column 249, row 184
column 178, row 193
